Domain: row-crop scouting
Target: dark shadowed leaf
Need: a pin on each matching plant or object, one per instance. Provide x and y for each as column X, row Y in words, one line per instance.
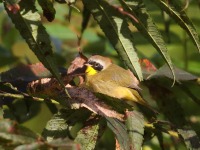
column 86, row 17
column 115, row 27
column 13, row 1
column 120, row 131
column 181, row 75
column 25, row 73
column 135, row 128
column 187, row 89
column 36, row 36
column 48, row 9
column 170, row 107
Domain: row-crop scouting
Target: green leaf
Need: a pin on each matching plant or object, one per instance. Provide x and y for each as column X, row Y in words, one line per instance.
column 57, row 127
column 147, row 27
column 120, row 131
column 89, row 135
column 60, row 124
column 135, row 128
column 115, row 27
column 28, row 22
column 48, row 9
column 174, row 10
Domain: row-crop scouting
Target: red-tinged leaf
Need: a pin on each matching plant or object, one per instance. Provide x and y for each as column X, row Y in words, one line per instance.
column 13, row 6
column 77, row 65
column 147, row 67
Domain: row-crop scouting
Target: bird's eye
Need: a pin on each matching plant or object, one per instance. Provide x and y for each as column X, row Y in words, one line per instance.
column 96, row 65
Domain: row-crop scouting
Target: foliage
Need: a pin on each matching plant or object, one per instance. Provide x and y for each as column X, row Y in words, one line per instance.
column 37, row 113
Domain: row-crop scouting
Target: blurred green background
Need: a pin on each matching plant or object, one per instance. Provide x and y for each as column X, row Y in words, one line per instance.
column 14, row 51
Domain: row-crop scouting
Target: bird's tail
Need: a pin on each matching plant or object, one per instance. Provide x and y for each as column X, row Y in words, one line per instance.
column 139, row 99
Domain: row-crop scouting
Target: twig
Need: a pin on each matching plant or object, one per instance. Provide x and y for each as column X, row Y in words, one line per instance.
column 22, row 96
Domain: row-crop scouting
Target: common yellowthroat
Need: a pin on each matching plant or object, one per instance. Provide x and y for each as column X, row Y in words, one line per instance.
column 102, row 76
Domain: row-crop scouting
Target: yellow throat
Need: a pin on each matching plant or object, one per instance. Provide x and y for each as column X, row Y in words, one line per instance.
column 90, row 70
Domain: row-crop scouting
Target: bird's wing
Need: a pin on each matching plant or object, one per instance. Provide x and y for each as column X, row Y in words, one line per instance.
column 125, row 79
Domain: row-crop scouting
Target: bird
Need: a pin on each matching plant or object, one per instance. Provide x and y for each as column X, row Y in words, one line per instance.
column 105, row 77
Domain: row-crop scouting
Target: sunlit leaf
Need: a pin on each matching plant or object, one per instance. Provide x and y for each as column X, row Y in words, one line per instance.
column 116, row 29
column 89, row 135
column 174, row 10
column 60, row 124
column 147, row 27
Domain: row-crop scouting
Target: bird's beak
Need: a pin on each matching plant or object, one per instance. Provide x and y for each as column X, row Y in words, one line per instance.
column 87, row 65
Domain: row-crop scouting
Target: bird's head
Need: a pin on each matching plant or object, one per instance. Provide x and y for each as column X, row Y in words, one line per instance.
column 97, row 63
